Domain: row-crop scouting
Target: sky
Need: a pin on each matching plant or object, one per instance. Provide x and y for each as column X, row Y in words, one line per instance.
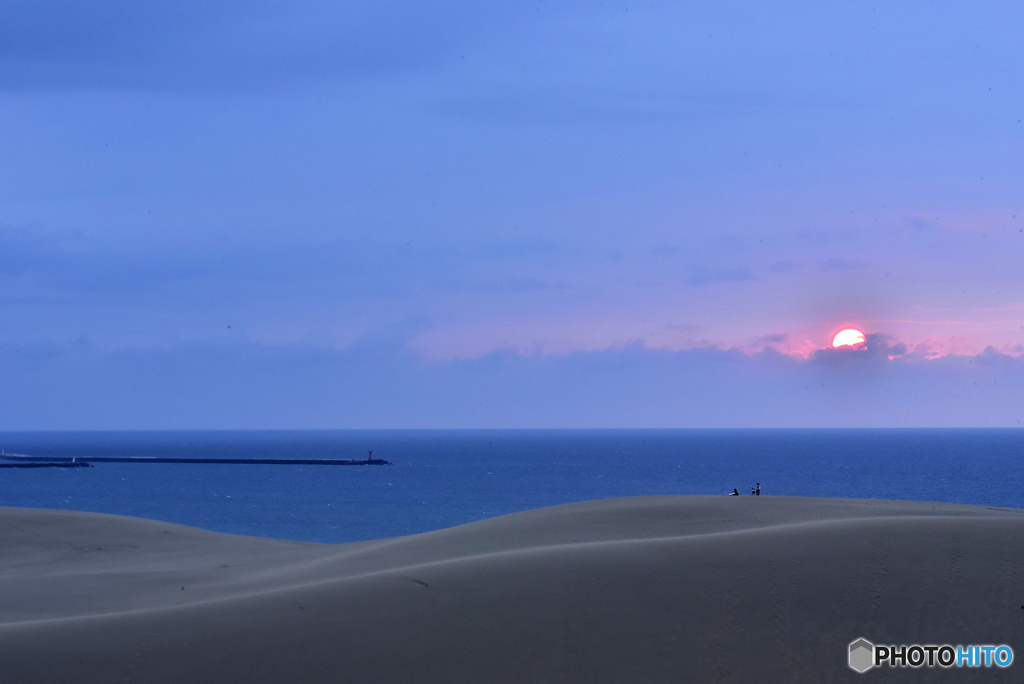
column 395, row 214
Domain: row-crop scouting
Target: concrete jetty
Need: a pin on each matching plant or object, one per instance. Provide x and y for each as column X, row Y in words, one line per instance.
column 25, row 461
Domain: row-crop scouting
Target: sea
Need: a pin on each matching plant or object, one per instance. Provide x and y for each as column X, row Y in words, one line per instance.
column 442, row 478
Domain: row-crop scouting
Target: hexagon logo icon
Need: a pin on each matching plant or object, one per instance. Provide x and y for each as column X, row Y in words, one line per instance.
column 862, row 655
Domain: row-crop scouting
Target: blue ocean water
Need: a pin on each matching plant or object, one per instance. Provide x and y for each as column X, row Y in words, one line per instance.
column 443, row 478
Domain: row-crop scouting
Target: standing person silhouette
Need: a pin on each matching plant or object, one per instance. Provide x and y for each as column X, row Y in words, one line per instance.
column 758, row 491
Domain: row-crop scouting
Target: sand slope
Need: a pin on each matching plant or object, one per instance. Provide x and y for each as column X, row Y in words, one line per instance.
column 652, row 589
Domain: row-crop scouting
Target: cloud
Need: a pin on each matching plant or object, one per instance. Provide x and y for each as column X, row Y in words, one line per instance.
column 376, row 382
column 50, row 265
column 838, row 264
column 651, row 103
column 770, row 339
column 228, row 44
column 48, row 43
column 920, row 225
column 876, row 348
column 707, row 276
column 22, row 251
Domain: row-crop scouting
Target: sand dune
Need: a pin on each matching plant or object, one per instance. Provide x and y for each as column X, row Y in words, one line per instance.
column 652, row 589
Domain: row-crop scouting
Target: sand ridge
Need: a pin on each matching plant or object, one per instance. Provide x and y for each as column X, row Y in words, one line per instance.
column 637, row 589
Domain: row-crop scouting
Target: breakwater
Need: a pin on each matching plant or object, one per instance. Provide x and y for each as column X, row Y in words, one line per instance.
column 25, row 461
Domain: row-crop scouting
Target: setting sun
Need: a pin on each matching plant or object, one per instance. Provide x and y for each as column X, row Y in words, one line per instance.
column 850, row 337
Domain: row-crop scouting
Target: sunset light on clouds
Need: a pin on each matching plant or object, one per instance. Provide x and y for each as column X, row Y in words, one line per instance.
column 398, row 214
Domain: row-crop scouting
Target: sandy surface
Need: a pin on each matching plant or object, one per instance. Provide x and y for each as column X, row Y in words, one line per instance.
column 652, row 589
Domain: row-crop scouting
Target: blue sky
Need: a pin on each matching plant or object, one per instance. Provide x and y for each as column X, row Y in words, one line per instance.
column 463, row 214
